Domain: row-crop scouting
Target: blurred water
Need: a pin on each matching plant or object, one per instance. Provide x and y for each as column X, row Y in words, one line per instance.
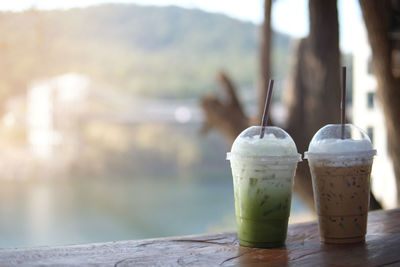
column 72, row 211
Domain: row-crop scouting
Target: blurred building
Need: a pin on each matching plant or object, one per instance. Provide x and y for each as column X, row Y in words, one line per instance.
column 368, row 114
column 53, row 108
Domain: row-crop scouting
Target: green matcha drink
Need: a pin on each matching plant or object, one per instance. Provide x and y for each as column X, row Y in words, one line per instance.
column 263, row 170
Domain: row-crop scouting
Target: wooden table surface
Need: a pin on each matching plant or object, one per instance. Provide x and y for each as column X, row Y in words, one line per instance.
column 303, row 248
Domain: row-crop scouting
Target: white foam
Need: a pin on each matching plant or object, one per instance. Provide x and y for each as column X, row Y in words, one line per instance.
column 340, row 146
column 267, row 146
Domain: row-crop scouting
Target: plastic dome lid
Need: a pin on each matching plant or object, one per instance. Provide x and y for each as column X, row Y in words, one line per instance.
column 328, row 140
column 275, row 145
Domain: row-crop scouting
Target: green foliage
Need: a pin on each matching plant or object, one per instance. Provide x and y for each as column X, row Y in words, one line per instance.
column 151, row 51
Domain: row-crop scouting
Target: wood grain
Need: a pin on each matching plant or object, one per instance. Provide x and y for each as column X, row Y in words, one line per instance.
column 303, row 248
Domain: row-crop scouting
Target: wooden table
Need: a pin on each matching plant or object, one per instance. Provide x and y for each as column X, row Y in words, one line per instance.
column 382, row 248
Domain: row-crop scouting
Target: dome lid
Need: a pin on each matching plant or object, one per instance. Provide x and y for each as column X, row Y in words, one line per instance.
column 275, row 144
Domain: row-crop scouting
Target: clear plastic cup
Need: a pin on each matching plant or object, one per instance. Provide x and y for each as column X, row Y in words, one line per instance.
column 340, row 170
column 263, row 171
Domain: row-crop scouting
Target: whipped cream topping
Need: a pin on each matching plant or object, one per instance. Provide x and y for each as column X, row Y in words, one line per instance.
column 339, row 146
column 269, row 145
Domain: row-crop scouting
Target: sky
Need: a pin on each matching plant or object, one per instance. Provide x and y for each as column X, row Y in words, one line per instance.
column 288, row 16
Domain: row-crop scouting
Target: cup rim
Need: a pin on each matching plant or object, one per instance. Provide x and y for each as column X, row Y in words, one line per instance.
column 284, row 159
column 353, row 154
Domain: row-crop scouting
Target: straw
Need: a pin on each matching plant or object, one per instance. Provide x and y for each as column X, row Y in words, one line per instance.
column 264, row 120
column 343, row 102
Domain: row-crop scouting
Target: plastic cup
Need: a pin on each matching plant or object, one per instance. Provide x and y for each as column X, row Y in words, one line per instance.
column 340, row 171
column 263, row 171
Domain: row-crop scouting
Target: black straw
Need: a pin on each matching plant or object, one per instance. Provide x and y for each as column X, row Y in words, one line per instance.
column 264, row 120
column 343, row 102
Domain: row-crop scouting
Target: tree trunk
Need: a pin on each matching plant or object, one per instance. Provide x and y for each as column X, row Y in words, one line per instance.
column 378, row 16
column 314, row 94
column 265, row 62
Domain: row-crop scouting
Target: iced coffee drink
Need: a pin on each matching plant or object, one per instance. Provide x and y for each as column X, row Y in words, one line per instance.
column 340, row 170
column 263, row 170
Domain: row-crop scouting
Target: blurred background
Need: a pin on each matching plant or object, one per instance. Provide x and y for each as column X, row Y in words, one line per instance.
column 107, row 130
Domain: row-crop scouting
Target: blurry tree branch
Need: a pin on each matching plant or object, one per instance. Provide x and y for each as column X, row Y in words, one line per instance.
column 227, row 116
